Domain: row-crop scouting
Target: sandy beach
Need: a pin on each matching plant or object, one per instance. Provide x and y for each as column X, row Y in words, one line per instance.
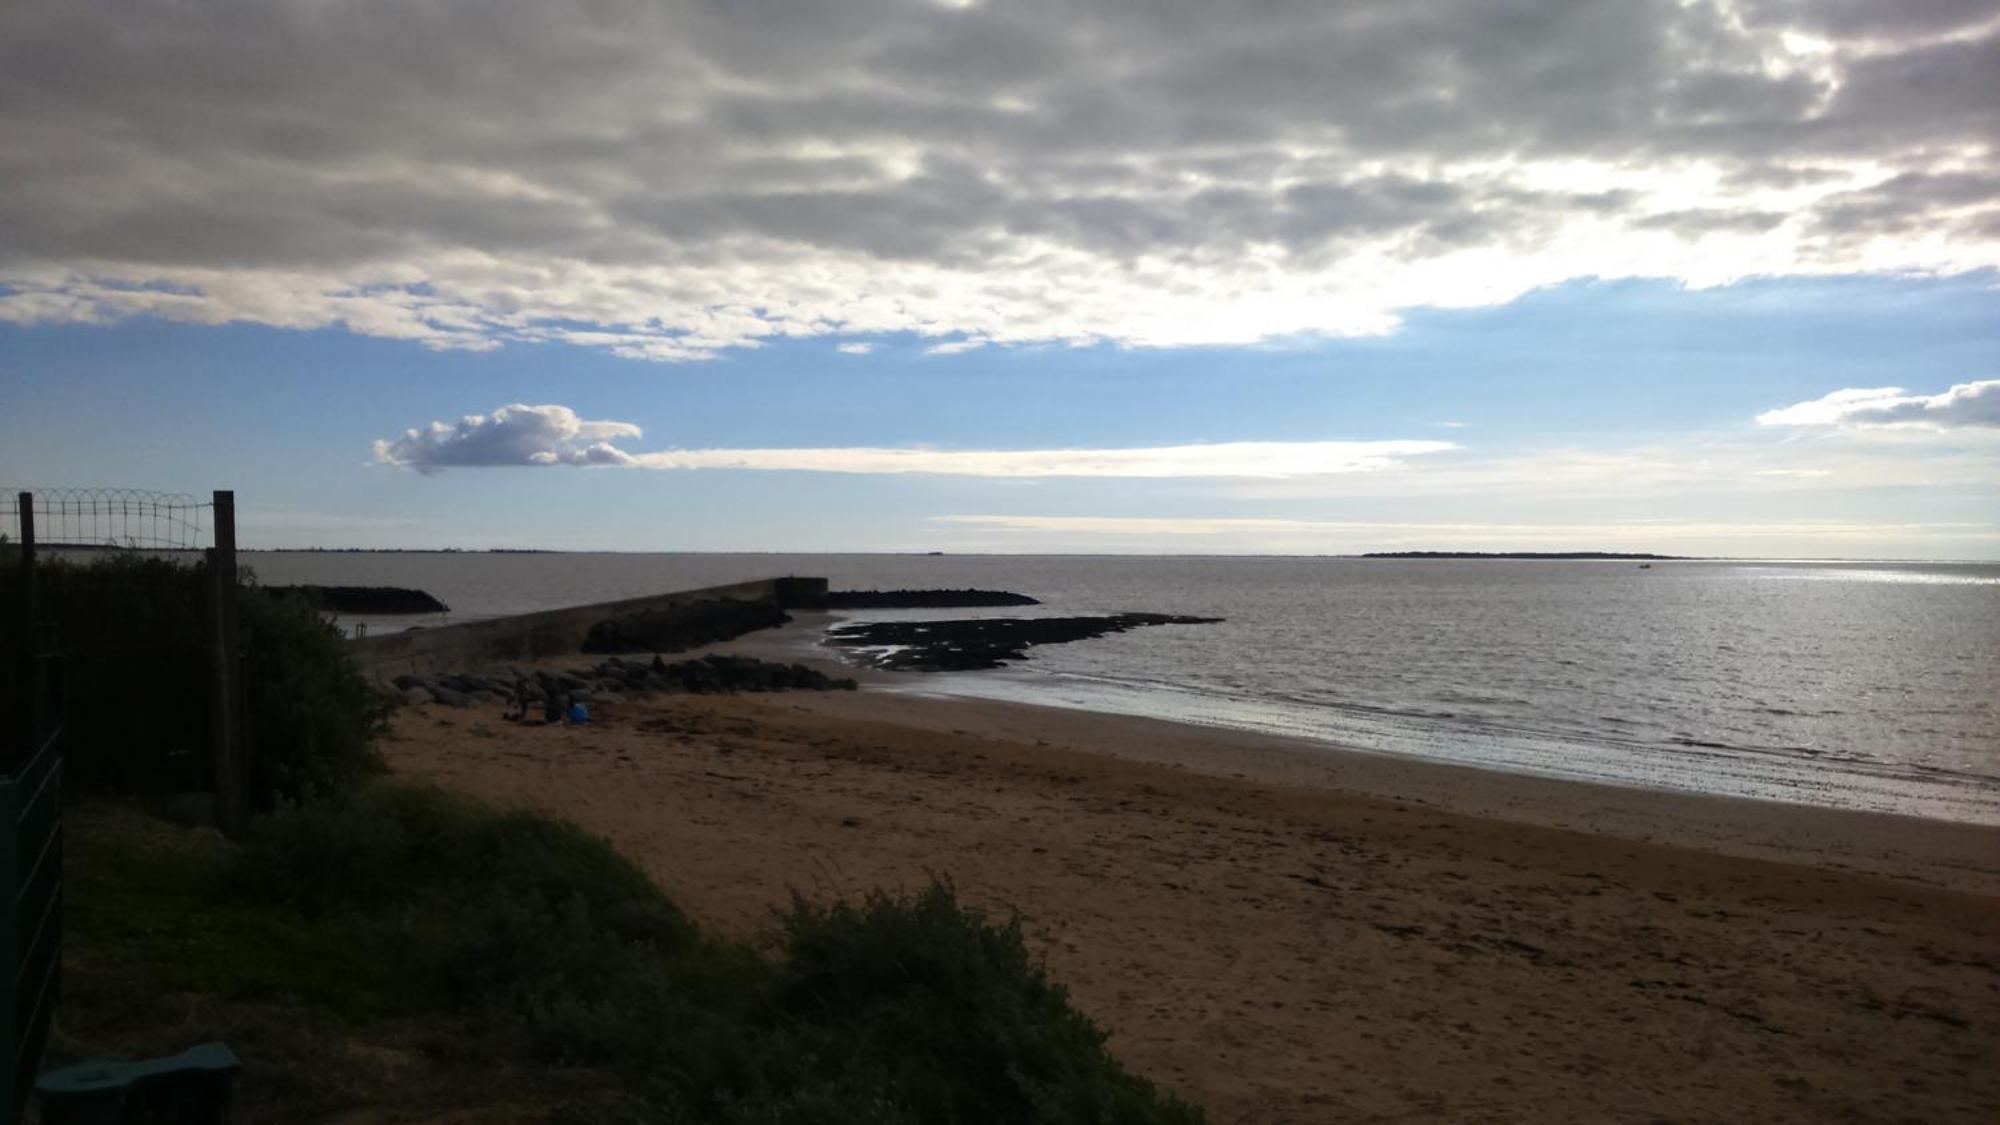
column 1292, row 937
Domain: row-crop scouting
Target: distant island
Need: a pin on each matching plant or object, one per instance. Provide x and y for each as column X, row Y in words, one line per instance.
column 1545, row 555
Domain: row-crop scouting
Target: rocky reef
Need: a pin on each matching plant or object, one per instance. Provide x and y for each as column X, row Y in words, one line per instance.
column 924, row 599
column 979, row 643
column 366, row 599
column 615, row 679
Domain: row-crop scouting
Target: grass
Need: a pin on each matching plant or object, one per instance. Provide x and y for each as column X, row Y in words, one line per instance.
column 525, row 946
column 145, row 901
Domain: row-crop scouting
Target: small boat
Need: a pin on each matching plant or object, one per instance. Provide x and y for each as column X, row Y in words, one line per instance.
column 1645, row 566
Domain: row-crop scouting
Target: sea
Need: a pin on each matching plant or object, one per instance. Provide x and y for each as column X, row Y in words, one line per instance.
column 1863, row 685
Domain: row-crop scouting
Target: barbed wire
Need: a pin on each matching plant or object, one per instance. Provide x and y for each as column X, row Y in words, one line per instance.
column 136, row 519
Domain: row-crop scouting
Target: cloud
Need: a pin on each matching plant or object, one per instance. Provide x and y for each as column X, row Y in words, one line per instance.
column 511, row 435
column 666, row 181
column 1974, row 404
column 854, row 348
column 1270, row 459
column 545, row 436
column 956, row 347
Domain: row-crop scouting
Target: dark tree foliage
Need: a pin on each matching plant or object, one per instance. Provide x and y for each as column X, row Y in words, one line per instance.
column 130, row 631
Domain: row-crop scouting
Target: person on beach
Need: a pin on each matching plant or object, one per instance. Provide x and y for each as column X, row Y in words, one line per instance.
column 522, row 694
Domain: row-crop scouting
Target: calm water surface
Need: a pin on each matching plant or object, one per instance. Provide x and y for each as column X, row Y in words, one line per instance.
column 1865, row 685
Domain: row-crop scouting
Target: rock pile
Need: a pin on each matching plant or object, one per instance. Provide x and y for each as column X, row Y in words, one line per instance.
column 366, row 599
column 923, row 599
column 977, row 643
column 617, row 678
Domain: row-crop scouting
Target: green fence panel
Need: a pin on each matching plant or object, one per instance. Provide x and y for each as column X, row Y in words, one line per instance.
column 31, row 928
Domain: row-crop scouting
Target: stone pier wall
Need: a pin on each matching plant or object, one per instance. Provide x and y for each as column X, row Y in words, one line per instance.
column 554, row 632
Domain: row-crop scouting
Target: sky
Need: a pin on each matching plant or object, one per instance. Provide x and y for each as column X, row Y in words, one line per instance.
column 1686, row 276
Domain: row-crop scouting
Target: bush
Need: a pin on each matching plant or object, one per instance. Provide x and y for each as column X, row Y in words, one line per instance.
column 898, row 1009
column 950, row 1012
column 312, row 717
column 542, row 932
column 135, row 673
column 135, row 700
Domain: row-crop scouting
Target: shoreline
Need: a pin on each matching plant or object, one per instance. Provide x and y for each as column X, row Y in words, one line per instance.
column 1938, row 852
column 1284, row 946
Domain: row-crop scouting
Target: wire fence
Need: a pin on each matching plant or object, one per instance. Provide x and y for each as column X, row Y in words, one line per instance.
column 134, row 519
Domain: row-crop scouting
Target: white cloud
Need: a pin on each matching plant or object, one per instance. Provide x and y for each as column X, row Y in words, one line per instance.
column 545, row 436
column 1223, row 459
column 665, row 181
column 854, row 348
column 1738, row 465
column 956, row 347
column 1974, row 404
column 511, row 435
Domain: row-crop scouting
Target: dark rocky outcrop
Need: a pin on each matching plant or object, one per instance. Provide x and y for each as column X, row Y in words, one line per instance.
column 923, row 599
column 616, row 678
column 366, row 599
column 970, row 645
column 682, row 627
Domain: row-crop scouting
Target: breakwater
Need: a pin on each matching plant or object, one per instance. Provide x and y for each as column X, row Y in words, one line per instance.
column 563, row 632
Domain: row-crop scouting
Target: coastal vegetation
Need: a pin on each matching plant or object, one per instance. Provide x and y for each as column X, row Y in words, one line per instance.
column 375, row 943
column 129, row 629
column 534, row 963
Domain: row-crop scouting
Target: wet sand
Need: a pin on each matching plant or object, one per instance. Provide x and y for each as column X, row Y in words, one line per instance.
column 1290, row 937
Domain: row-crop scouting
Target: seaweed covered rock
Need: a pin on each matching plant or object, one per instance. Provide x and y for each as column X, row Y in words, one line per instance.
column 924, row 599
column 366, row 599
column 979, row 643
column 680, row 628
column 620, row 678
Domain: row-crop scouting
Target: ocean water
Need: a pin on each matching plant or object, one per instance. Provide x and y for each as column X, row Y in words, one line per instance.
column 1859, row 685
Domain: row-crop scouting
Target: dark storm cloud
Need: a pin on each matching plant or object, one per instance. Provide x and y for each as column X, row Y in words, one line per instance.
column 688, row 176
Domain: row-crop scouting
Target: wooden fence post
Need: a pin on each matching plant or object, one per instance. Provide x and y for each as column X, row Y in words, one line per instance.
column 226, row 742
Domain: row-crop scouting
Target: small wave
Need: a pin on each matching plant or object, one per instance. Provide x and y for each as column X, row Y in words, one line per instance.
column 1891, row 577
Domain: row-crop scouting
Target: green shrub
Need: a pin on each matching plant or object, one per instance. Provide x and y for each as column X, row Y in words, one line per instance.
column 135, row 672
column 129, row 629
column 897, row 1009
column 148, row 905
column 951, row 1013
column 312, row 718
column 542, row 932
